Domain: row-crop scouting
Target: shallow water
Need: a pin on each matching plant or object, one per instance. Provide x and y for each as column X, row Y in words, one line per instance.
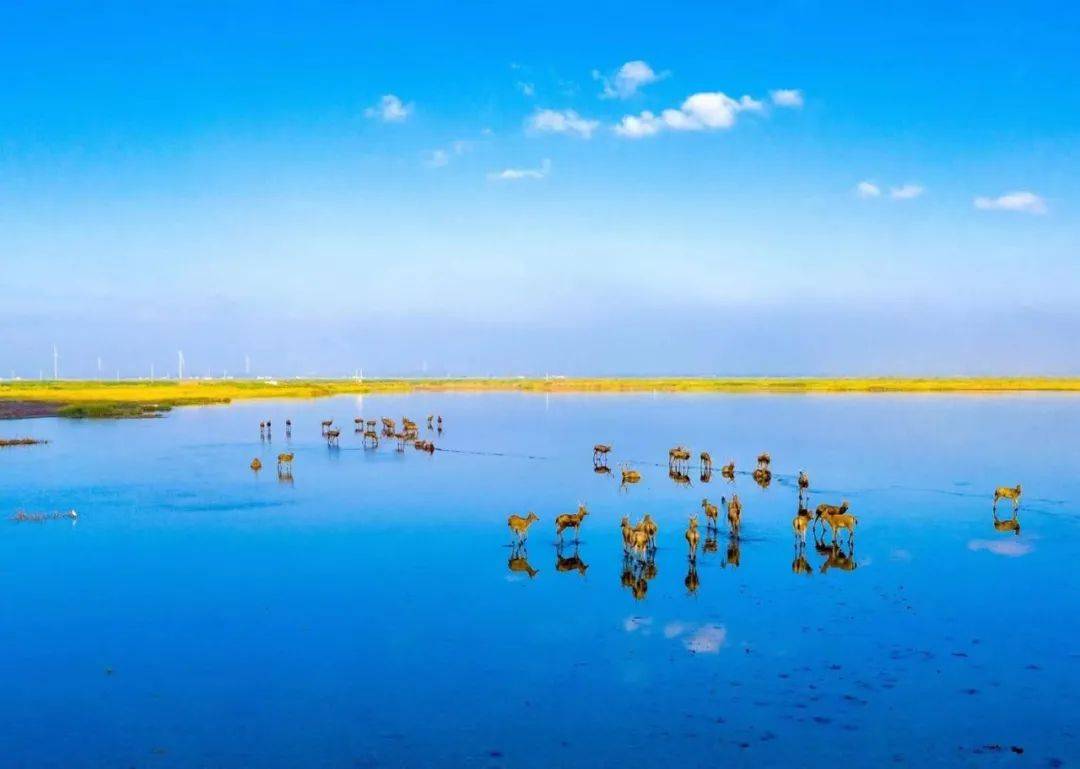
column 363, row 615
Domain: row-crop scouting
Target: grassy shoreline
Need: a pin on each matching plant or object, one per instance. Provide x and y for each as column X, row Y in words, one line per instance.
column 104, row 399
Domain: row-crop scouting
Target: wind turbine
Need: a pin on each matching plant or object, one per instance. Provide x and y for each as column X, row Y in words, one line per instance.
column 179, row 364
column 55, row 363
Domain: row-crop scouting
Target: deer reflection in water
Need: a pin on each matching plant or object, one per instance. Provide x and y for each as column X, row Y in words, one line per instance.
column 572, row 562
column 734, row 551
column 1006, row 525
column 680, row 478
column 636, row 573
column 763, row 477
column 519, row 561
column 691, row 582
column 838, row 558
column 800, row 565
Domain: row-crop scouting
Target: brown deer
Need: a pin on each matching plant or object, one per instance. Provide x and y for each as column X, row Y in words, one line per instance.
column 734, row 512
column 600, row 452
column 764, row 460
column 838, row 521
column 728, row 470
column 256, row 464
column 371, row 438
column 1010, row 493
column 630, row 476
column 692, row 537
column 678, row 455
column 332, row 437
column 284, row 461
column 706, row 462
column 712, row 513
column 520, row 526
column 763, row 477
column 570, row 521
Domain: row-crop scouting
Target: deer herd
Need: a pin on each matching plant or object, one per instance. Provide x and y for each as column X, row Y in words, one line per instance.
column 639, row 539
column 409, row 433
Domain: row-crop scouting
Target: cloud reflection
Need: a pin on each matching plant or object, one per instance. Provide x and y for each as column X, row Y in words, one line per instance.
column 1010, row 549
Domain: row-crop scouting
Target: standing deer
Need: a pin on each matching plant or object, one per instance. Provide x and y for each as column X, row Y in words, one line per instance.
column 1010, row 493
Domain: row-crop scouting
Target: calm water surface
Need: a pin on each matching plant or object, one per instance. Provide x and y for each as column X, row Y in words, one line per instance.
column 364, row 615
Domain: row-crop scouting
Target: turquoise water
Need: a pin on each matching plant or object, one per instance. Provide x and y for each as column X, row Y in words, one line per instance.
column 365, row 615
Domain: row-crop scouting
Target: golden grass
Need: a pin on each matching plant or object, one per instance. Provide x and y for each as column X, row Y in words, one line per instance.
column 138, row 398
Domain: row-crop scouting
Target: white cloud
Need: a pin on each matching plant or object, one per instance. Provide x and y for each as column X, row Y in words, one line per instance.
column 517, row 174
column 865, row 189
column 438, row 158
column 390, row 109
column 632, row 624
column 526, row 88
column 706, row 111
column 1023, row 201
column 441, row 157
column 906, row 192
column 628, row 79
column 787, row 97
column 565, row 121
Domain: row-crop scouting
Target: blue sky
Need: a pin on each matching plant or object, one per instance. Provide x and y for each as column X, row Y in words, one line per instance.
column 805, row 188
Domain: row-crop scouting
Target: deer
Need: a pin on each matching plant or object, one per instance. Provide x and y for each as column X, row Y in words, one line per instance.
column 841, row 520
column 332, row 437
column 728, row 470
column 520, row 526
column 706, row 462
column 764, row 460
column 570, row 521
column 1010, row 493
column 678, row 455
column 763, row 477
column 804, row 482
column 630, row 476
column 284, row 462
column 799, row 524
column 825, row 509
column 734, row 512
column 326, row 423
column 600, row 452
column 371, row 438
column 692, row 537
column 712, row 513
column 256, row 464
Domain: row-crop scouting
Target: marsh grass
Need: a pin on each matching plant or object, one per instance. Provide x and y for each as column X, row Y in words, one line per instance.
column 135, row 399
column 5, row 442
